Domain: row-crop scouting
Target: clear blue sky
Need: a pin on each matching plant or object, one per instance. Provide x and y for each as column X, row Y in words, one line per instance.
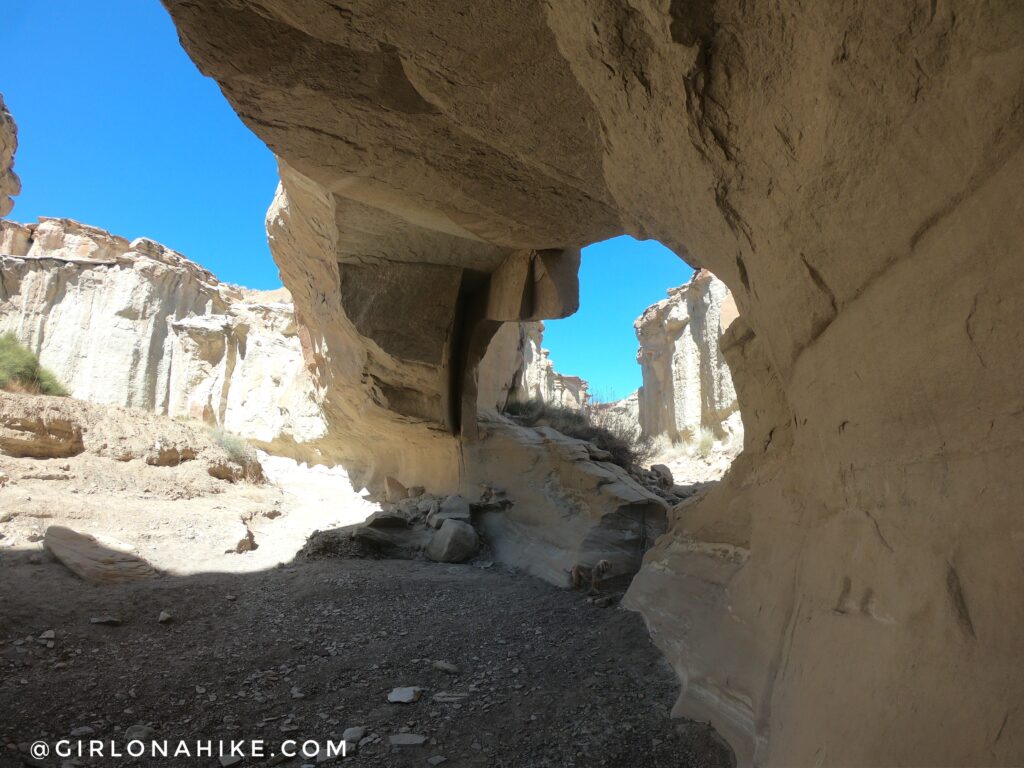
column 619, row 279
column 118, row 129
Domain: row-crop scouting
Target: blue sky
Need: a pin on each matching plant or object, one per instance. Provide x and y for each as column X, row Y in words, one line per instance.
column 118, row 129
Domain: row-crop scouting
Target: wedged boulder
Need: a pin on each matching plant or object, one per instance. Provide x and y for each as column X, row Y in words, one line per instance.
column 454, row 542
column 454, row 507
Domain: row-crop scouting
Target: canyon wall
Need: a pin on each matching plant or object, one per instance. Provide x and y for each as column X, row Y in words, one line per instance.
column 9, row 183
column 853, row 172
column 137, row 324
column 538, row 380
column 687, row 384
column 516, row 368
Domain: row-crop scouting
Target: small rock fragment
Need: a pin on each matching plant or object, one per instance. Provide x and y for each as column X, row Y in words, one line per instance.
column 165, row 617
column 139, row 732
column 110, row 621
column 445, row 666
column 407, row 740
column 355, row 733
column 407, row 695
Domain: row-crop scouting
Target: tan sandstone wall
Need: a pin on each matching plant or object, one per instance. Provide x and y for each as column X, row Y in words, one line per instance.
column 687, row 384
column 852, row 171
column 136, row 324
column 9, row 182
column 517, row 368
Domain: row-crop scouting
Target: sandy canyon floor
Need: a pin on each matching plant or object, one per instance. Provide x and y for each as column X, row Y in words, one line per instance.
column 267, row 645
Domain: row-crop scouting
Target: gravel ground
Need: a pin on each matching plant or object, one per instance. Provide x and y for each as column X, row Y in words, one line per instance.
column 542, row 676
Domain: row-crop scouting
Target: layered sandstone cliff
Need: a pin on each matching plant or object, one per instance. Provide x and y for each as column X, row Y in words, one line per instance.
column 687, row 384
column 137, row 324
column 852, row 172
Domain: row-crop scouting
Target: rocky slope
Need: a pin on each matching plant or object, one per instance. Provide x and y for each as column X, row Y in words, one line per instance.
column 687, row 384
column 136, row 324
column 852, row 173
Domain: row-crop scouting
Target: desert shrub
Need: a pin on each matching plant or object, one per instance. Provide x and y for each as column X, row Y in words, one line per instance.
column 237, row 449
column 20, row 370
column 705, row 442
column 619, row 438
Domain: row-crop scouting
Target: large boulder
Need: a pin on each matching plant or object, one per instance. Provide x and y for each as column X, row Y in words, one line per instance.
column 454, row 542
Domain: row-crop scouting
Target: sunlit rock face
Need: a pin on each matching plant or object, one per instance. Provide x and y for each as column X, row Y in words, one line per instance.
column 853, row 173
column 687, row 384
column 517, row 368
column 10, row 185
column 136, row 324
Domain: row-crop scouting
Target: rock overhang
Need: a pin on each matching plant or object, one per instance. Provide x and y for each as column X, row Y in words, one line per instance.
column 853, row 174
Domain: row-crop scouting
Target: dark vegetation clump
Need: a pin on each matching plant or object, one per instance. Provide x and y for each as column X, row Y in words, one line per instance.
column 20, row 370
column 620, row 438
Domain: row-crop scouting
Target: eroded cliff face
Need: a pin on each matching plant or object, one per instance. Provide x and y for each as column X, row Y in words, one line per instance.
column 687, row 384
column 853, row 172
column 10, row 185
column 517, row 368
column 136, row 324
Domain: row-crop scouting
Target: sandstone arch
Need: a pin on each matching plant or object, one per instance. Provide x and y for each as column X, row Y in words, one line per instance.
column 851, row 170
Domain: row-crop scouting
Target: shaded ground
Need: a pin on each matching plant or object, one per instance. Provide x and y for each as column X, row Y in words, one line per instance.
column 261, row 645
column 552, row 680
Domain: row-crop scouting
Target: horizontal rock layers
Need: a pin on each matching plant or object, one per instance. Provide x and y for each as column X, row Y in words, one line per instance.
column 136, row 324
column 687, row 384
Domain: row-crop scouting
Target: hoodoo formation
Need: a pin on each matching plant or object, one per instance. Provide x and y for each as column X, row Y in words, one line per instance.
column 852, row 176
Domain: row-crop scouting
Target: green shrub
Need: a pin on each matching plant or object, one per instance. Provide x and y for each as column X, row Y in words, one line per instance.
column 622, row 440
column 20, row 370
column 237, row 449
column 705, row 442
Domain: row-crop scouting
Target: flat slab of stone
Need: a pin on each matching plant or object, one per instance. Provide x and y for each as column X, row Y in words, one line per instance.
column 95, row 561
column 407, row 740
